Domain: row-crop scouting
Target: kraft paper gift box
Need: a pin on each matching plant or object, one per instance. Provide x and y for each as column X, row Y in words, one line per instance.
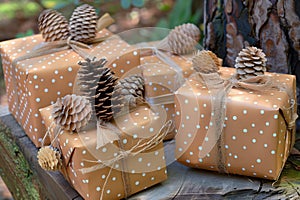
column 128, row 175
column 36, row 82
column 162, row 79
column 161, row 75
column 258, row 129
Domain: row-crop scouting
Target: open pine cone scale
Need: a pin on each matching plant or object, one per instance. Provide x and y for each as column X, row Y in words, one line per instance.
column 72, row 112
column 251, row 62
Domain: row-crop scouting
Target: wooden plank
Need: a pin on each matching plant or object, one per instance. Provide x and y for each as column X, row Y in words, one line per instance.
column 15, row 170
column 187, row 183
column 45, row 185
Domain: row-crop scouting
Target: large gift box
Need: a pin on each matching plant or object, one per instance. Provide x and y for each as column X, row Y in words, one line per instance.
column 118, row 169
column 36, row 82
column 258, row 129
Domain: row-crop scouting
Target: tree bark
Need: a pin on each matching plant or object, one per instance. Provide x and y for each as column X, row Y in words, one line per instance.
column 272, row 25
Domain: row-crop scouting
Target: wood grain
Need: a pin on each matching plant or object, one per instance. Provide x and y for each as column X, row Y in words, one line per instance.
column 20, row 169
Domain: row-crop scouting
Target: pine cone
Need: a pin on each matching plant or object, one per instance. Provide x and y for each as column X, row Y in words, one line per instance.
column 131, row 89
column 88, row 76
column 206, row 62
column 250, row 62
column 49, row 158
column 104, row 97
column 72, row 112
column 83, row 23
column 183, row 39
column 53, row 26
column 215, row 58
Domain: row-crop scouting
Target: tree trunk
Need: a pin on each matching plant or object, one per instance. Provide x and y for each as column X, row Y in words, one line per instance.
column 272, row 25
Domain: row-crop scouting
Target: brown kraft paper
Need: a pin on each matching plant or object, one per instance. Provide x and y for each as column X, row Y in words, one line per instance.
column 37, row 82
column 258, row 130
column 139, row 172
column 161, row 79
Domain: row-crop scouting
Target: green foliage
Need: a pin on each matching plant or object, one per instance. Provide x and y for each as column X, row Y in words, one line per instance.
column 163, row 6
column 27, row 33
column 20, row 165
column 60, row 4
column 182, row 12
column 9, row 10
column 127, row 3
column 66, row 6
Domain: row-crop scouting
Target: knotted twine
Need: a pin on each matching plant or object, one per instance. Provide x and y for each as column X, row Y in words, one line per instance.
column 143, row 145
column 56, row 129
column 61, row 45
column 220, row 90
column 106, row 132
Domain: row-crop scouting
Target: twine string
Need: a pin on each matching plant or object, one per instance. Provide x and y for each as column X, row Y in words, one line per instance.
column 221, row 90
column 141, row 146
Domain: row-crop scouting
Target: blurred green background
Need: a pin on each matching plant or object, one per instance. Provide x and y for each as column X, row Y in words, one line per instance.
column 19, row 17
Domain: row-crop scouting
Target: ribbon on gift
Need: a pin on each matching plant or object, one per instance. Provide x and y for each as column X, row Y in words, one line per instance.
column 141, row 146
column 104, row 131
column 61, row 45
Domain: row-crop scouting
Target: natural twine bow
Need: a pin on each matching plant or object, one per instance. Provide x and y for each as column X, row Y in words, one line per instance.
column 61, row 45
column 141, row 146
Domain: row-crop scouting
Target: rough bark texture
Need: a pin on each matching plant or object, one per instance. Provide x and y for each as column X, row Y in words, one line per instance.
column 272, row 25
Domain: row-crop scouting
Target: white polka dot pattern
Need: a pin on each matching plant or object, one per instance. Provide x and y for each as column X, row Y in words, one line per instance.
column 255, row 135
column 160, row 79
column 143, row 170
column 113, row 49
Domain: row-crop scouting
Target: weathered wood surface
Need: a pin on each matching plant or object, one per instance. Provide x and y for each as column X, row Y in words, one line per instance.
column 272, row 25
column 26, row 180
column 20, row 170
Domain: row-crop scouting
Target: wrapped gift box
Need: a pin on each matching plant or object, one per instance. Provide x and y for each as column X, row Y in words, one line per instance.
column 258, row 131
column 162, row 79
column 128, row 175
column 35, row 83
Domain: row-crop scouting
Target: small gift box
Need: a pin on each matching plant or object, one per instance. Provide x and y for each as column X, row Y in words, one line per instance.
column 236, row 127
column 120, row 168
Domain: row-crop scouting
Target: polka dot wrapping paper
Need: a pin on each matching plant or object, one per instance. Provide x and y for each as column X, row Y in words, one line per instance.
column 256, row 139
column 37, row 82
column 162, row 79
column 139, row 172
